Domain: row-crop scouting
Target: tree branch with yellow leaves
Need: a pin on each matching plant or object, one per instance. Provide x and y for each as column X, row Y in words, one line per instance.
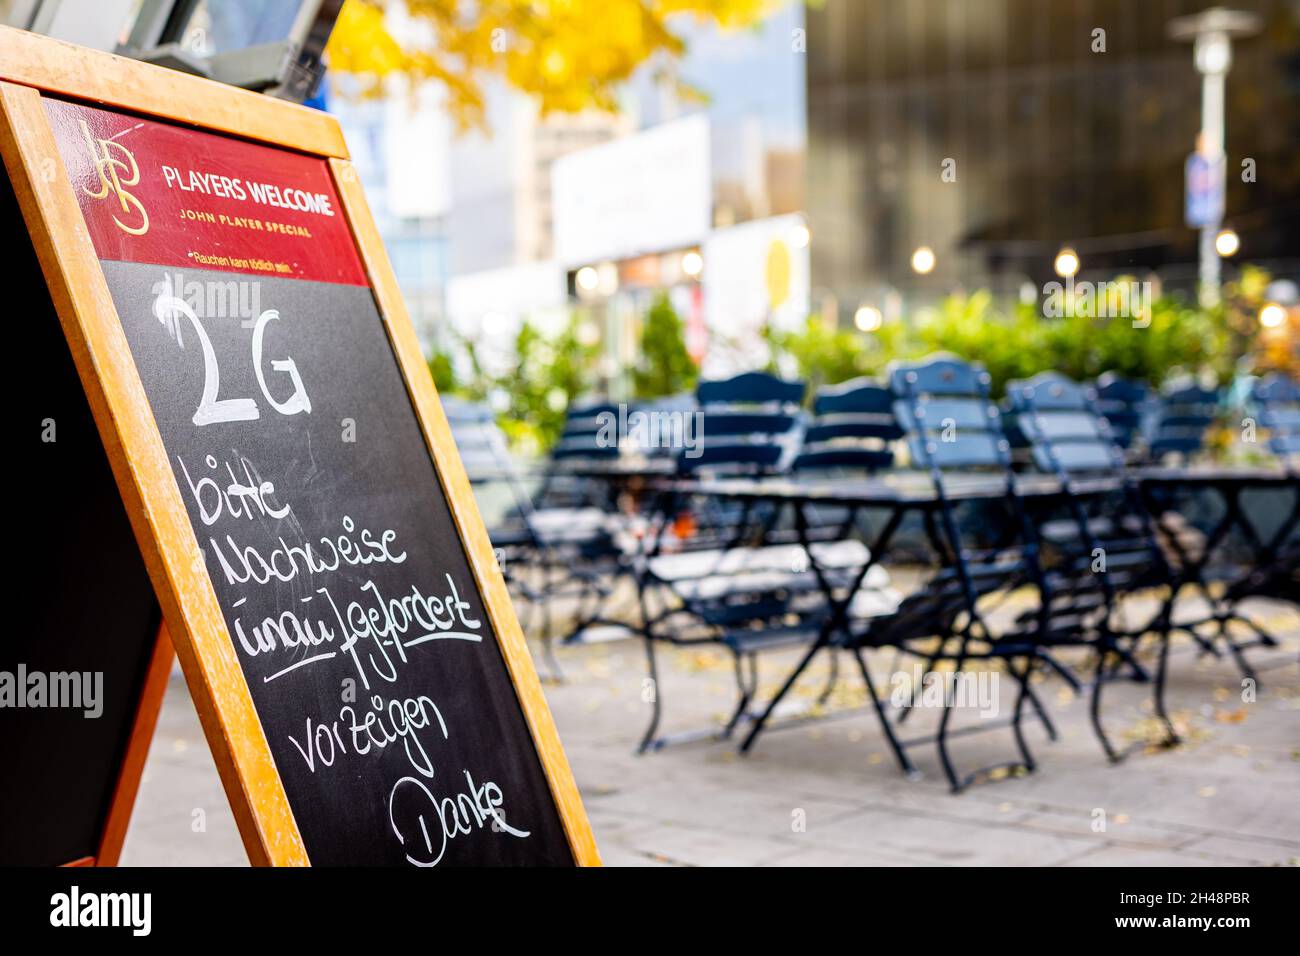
column 570, row 55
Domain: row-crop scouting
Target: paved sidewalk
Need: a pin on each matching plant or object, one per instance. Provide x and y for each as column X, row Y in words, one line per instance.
column 828, row 793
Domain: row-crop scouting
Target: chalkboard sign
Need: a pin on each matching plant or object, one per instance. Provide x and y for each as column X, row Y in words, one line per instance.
column 308, row 527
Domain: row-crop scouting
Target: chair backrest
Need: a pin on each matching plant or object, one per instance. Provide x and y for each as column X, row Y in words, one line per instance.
column 750, row 425
column 853, row 427
column 751, row 388
column 1276, row 389
column 664, row 427
column 943, row 407
column 588, row 433
column 479, row 439
column 590, row 438
column 1275, row 404
column 1069, row 438
column 1064, row 430
column 1182, row 419
column 953, row 428
column 1123, row 403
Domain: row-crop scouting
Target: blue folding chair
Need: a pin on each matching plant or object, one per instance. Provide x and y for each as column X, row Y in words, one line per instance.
column 545, row 553
column 1105, row 551
column 481, row 445
column 587, row 440
column 485, row 453
column 751, row 425
column 1275, row 403
column 953, row 430
column 674, row 432
column 852, row 435
column 1124, row 404
column 1273, row 408
column 852, row 431
column 732, row 578
column 1181, row 420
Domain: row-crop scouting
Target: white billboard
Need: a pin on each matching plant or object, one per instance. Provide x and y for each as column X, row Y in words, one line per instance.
column 754, row 274
column 648, row 192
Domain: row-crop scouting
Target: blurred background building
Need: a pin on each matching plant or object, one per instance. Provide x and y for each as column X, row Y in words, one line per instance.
column 603, row 213
column 693, row 190
column 1052, row 135
column 844, row 157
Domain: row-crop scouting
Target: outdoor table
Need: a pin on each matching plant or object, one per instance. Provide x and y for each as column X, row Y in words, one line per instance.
column 630, row 474
column 1229, row 483
column 901, row 492
column 627, row 473
column 896, row 493
column 1161, row 485
column 615, row 469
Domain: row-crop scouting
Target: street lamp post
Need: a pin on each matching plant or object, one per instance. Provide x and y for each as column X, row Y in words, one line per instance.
column 1211, row 34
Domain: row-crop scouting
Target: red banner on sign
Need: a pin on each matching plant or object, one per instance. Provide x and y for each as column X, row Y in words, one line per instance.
column 162, row 194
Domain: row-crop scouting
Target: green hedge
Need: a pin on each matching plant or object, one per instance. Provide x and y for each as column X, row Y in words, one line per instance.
column 1018, row 341
column 1014, row 341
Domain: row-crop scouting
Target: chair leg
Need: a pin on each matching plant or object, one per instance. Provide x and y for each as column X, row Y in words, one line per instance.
column 1026, row 757
column 745, row 692
column 1067, row 675
column 581, row 615
column 528, row 610
column 906, row 710
column 1162, row 671
column 900, row 753
column 941, row 738
column 649, row 739
column 1265, row 638
column 1205, row 644
column 941, row 744
column 554, row 673
column 1103, row 658
column 548, row 632
column 1243, row 665
column 754, row 731
column 832, row 679
column 1138, row 673
column 1036, row 702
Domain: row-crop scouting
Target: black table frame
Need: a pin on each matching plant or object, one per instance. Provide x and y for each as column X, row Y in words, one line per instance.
column 880, row 495
column 1229, row 484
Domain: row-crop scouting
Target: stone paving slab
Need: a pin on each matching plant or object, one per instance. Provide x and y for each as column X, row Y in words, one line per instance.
column 828, row 793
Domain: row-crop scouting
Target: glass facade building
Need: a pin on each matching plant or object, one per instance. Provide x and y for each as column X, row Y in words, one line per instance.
column 996, row 132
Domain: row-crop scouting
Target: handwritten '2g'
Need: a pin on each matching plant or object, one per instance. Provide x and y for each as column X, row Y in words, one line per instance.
column 168, row 309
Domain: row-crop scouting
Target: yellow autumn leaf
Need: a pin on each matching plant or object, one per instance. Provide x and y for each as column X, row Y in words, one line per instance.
column 570, row 55
column 1231, row 716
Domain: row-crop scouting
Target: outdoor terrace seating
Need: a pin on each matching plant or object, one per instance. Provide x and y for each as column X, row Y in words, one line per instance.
column 754, row 540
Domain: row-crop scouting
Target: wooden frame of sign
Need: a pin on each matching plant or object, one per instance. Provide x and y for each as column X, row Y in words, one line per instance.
column 33, row 68
column 137, row 749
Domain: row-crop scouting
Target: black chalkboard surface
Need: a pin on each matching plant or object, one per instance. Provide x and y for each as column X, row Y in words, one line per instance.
column 370, row 659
